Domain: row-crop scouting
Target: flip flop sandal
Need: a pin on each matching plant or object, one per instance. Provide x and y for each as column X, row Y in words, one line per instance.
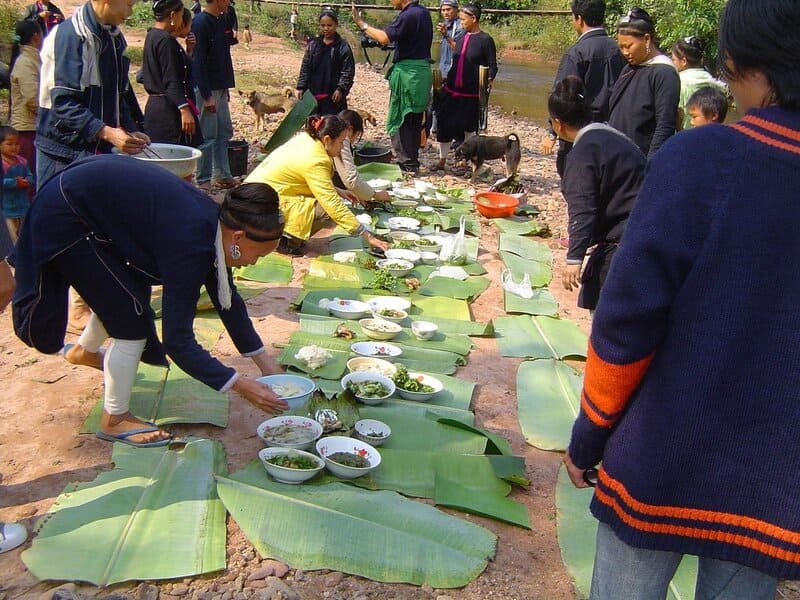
column 123, row 437
column 68, row 347
column 12, row 535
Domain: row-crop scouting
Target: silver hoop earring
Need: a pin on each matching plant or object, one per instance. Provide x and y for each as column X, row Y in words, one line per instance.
column 172, row 23
column 236, row 254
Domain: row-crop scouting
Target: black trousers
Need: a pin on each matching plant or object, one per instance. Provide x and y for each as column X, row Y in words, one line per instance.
column 405, row 143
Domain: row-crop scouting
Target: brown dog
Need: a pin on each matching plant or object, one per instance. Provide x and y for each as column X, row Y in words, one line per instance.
column 480, row 148
column 366, row 116
column 268, row 104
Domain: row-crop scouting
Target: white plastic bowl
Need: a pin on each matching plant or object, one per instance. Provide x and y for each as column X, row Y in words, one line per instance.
column 422, row 396
column 366, row 430
column 388, row 352
column 371, row 365
column 179, row 160
column 403, row 223
column 403, row 236
column 397, row 317
column 285, row 474
column 422, row 246
column 395, row 302
column 361, row 376
column 424, row 330
column 401, row 254
column 296, row 400
column 348, row 309
column 380, row 329
column 429, row 258
column 331, row 445
column 423, row 187
column 304, row 422
column 379, row 184
column 404, row 203
column 395, row 266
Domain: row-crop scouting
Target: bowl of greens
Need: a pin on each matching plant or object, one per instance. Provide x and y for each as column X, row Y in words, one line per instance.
column 368, row 386
column 372, row 431
column 395, row 266
column 416, row 386
column 289, row 431
column 346, row 457
column 390, row 314
column 290, row 465
column 380, row 329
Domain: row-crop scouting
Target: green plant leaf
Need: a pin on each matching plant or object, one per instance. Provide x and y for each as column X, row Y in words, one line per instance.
column 294, row 120
column 376, row 170
column 541, row 303
column 333, row 369
column 548, row 401
column 155, row 516
column 519, row 226
column 526, row 248
column 272, row 268
column 540, row 273
column 449, row 493
column 378, row 535
column 469, row 289
column 497, row 443
column 539, row 337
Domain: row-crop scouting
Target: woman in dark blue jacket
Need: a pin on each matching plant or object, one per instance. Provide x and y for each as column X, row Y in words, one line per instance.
column 112, row 243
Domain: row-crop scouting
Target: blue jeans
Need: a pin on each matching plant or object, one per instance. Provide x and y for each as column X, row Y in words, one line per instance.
column 622, row 571
column 217, row 130
column 47, row 166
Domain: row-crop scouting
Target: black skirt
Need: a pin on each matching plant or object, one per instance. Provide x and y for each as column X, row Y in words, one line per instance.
column 162, row 123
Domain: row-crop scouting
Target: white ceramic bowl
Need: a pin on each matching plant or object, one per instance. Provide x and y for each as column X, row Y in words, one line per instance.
column 405, row 193
column 379, row 184
column 403, row 236
column 388, row 352
column 390, row 314
column 286, row 474
column 380, row 329
column 401, row 254
column 348, row 309
column 314, row 429
column 179, row 160
column 422, row 396
column 294, row 401
column 331, row 445
column 428, row 243
column 402, row 223
column 424, row 330
column 404, row 203
column 395, row 267
column 362, row 376
column 395, row 302
column 425, row 210
column 429, row 258
column 372, row 431
column 423, row 187
column 371, row 365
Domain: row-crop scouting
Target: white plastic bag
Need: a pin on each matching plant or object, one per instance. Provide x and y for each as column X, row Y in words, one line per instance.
column 522, row 288
column 453, row 250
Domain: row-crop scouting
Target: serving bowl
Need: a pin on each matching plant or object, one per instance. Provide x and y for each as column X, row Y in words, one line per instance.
column 348, row 309
column 395, row 302
column 178, row 160
column 424, row 330
column 288, row 474
column 299, row 433
column 280, row 382
column 429, row 243
column 371, row 365
column 380, row 329
column 358, row 377
column 395, row 267
column 423, row 187
column 372, row 431
column 429, row 258
column 403, row 223
column 405, row 193
column 422, row 396
column 388, row 352
column 390, row 314
column 379, row 184
column 402, row 236
column 424, row 210
column 334, row 444
column 495, row 205
column 404, row 203
column 402, row 254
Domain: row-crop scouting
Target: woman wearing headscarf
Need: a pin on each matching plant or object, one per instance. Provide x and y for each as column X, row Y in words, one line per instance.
column 328, row 67
column 457, row 107
column 112, row 243
column 644, row 101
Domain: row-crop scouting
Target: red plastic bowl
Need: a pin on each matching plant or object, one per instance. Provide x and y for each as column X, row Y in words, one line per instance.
column 495, row 205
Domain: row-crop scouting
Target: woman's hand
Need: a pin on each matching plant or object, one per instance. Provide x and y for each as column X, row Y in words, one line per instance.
column 348, row 195
column 337, row 96
column 548, row 143
column 191, row 41
column 571, row 277
column 129, row 143
column 187, row 121
column 377, row 243
column 356, row 16
column 382, row 196
column 259, row 395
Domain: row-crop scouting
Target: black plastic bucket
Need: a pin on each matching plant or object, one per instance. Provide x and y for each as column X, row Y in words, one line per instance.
column 237, row 157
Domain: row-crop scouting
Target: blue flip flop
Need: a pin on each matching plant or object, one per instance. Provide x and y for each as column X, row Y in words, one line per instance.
column 123, row 437
column 67, row 347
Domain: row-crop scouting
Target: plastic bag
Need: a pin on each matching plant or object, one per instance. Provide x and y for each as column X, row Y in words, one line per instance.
column 522, row 288
column 453, row 250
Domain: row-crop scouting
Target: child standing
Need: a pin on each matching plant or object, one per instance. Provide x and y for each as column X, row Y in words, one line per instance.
column 247, row 37
column 17, row 181
column 707, row 105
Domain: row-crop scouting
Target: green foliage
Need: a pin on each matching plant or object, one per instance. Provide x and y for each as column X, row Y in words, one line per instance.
column 9, row 15
column 142, row 16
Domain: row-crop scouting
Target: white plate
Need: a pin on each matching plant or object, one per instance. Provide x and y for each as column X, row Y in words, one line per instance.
column 451, row 272
column 347, row 309
column 379, row 184
column 403, row 223
column 376, row 350
column 393, row 302
column 400, row 254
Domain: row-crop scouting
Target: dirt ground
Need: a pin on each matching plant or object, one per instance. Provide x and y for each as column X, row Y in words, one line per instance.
column 45, row 400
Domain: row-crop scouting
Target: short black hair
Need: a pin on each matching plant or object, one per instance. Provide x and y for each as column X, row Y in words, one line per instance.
column 568, row 102
column 762, row 36
column 593, row 12
column 690, row 49
column 255, row 209
column 353, row 119
column 5, row 131
column 711, row 101
column 320, row 126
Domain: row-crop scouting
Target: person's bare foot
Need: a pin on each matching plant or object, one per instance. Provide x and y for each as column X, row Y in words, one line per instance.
column 78, row 318
column 115, row 425
column 78, row 355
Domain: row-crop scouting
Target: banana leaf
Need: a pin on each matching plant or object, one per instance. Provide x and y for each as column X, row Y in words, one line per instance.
column 472, row 224
column 168, row 396
column 469, row 289
column 246, row 290
column 414, row 431
column 333, row 369
column 326, row 267
column 292, row 122
column 449, row 493
column 541, row 303
column 451, row 308
column 520, row 226
column 314, row 282
column 577, row 530
column 345, row 243
column 377, row 535
column 376, row 170
column 497, row 444
column 548, row 401
column 207, row 329
column 539, row 337
column 510, row 468
column 530, row 249
column 272, row 268
column 155, row 516
column 454, row 325
column 540, row 273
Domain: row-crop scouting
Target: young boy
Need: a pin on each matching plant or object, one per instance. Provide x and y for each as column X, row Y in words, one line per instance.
column 17, row 181
column 707, row 105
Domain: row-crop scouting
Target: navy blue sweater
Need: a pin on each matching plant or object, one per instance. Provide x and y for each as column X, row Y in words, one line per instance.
column 212, row 66
column 691, row 396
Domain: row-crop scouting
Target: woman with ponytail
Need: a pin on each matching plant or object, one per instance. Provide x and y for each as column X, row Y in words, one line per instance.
column 687, row 56
column 602, row 176
column 301, row 171
column 25, row 67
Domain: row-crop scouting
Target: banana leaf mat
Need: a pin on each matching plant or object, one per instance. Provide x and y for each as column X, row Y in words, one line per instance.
column 375, row 534
column 246, row 290
column 541, row 303
column 155, row 516
column 526, row 248
column 272, row 268
column 539, row 337
column 464, row 497
column 540, row 273
column 469, row 289
column 376, row 170
column 292, row 122
column 333, row 369
column 520, row 226
column 167, row 396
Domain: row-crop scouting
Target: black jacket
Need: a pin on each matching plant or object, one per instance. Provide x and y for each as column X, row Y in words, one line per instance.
column 32, row 14
column 326, row 76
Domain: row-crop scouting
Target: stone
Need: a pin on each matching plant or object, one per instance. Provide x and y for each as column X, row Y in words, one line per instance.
column 299, row 575
column 276, row 588
column 427, row 588
column 333, row 579
column 279, row 569
column 260, row 573
column 179, row 589
column 444, row 597
column 146, row 591
column 227, row 595
column 257, row 584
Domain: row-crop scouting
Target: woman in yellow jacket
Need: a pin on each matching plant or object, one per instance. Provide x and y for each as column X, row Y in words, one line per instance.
column 301, row 171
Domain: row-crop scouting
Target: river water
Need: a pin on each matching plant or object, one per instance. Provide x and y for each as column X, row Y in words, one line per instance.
column 522, row 87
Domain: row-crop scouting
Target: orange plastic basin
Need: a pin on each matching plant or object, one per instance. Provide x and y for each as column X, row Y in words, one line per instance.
column 495, row 205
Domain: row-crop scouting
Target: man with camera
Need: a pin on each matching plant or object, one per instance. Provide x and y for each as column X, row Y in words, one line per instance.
column 409, row 78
